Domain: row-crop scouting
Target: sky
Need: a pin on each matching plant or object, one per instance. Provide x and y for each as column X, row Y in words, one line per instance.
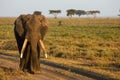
column 13, row 8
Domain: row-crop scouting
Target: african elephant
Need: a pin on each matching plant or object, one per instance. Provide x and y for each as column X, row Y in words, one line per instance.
column 29, row 31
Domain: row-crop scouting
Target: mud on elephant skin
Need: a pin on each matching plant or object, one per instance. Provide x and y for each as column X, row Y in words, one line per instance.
column 30, row 30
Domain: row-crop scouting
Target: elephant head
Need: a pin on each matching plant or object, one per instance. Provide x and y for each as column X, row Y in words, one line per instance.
column 29, row 31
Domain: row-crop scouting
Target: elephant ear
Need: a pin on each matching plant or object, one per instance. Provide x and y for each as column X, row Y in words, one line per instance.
column 20, row 24
column 44, row 22
column 44, row 26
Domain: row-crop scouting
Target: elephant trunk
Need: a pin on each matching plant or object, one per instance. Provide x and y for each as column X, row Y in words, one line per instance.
column 35, row 54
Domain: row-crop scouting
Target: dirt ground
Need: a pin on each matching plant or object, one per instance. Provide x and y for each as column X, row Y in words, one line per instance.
column 9, row 70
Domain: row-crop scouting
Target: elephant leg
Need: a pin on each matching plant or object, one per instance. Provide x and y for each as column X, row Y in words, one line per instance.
column 25, row 61
column 21, row 65
column 27, row 58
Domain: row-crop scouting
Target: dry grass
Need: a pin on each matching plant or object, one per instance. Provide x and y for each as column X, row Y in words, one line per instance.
column 86, row 21
column 7, row 20
column 96, row 40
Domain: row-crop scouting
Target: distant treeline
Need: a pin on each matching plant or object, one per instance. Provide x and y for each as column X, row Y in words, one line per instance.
column 72, row 12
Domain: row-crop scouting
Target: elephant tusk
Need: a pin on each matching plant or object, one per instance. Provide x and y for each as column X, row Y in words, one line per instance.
column 23, row 48
column 43, row 47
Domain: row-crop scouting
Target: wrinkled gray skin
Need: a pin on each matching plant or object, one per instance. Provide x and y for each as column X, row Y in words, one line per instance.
column 33, row 28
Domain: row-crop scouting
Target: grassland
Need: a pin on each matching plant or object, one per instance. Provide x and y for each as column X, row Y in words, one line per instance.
column 94, row 40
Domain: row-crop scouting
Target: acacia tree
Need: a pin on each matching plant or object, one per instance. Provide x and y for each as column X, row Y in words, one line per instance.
column 55, row 12
column 80, row 12
column 71, row 12
column 37, row 12
column 94, row 12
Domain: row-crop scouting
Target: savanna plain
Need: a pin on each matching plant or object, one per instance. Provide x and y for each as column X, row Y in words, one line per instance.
column 91, row 44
